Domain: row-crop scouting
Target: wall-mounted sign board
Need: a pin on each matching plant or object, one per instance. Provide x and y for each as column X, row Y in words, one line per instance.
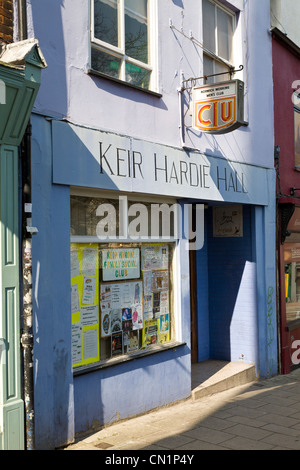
column 218, row 108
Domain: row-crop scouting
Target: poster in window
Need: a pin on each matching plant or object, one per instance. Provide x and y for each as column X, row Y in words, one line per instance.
column 117, row 343
column 76, row 343
column 150, row 332
column 164, row 328
column 147, row 282
column 89, row 261
column 89, row 290
column 89, row 315
column 90, row 341
column 75, row 307
column 137, row 317
column 148, row 306
column 116, row 320
column 133, row 340
column 228, row 221
column 160, row 280
column 85, row 303
column 122, row 295
column 155, row 257
column 120, row 264
column 75, row 268
column 164, row 302
column 126, row 313
column 105, row 323
column 156, row 304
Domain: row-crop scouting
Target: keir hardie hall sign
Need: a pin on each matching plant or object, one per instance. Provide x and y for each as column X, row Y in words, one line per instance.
column 96, row 159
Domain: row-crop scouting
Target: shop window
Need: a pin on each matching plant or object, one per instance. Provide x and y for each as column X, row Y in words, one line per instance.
column 297, row 136
column 292, row 269
column 121, row 292
column 218, row 31
column 123, row 40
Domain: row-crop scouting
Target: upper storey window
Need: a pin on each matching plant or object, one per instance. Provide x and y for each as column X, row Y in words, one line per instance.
column 218, row 31
column 122, row 40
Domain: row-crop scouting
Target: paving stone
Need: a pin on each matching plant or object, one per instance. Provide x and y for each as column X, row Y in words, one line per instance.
column 287, row 442
column 242, row 443
column 208, row 435
column 248, row 431
column 282, row 430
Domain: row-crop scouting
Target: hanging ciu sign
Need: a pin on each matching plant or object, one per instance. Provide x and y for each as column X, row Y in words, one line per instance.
column 218, row 108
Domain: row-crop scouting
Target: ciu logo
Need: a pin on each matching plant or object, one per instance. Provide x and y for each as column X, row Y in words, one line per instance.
column 218, row 108
column 215, row 115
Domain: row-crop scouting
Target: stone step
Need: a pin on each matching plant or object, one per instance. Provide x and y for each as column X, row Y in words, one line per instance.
column 212, row 377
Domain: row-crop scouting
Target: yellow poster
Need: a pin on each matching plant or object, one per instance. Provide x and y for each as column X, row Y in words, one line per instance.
column 85, row 303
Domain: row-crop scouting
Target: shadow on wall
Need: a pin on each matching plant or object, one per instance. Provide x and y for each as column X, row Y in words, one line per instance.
column 47, row 24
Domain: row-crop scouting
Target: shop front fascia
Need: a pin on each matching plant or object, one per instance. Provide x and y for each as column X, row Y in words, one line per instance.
column 20, row 72
column 87, row 172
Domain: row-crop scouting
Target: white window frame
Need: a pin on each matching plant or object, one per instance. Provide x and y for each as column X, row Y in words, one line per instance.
column 214, row 55
column 119, row 52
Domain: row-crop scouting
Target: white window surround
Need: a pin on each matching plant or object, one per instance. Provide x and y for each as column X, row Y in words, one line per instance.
column 119, row 52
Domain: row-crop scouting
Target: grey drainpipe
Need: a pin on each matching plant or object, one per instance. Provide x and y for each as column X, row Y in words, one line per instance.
column 27, row 330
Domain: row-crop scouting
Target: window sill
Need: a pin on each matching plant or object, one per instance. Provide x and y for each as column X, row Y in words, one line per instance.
column 121, row 82
column 297, row 168
column 127, row 358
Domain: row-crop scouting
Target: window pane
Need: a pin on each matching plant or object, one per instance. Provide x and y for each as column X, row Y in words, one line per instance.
column 225, row 33
column 137, row 76
column 208, row 66
column 84, row 219
column 106, row 21
column 209, row 26
column 220, row 68
column 292, row 281
column 211, row 67
column 106, row 63
column 136, row 30
column 297, row 137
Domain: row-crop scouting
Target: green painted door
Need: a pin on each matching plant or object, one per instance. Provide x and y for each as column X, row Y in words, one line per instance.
column 11, row 403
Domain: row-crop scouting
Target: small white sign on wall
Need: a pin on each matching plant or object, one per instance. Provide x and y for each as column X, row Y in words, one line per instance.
column 228, row 221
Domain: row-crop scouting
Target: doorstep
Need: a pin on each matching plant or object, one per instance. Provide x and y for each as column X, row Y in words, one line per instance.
column 210, row 377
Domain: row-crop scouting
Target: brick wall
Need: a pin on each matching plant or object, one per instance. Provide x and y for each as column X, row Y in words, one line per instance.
column 6, row 21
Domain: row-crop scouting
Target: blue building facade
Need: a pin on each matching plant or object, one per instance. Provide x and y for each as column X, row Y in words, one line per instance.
column 110, row 132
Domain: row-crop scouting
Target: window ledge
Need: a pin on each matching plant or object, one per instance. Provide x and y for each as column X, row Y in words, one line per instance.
column 127, row 358
column 121, row 82
column 297, row 168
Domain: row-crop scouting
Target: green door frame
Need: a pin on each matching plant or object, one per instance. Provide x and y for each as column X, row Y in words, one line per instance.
column 20, row 74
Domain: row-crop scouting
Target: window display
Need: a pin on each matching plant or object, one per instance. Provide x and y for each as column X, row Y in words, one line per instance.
column 121, row 291
column 121, row 299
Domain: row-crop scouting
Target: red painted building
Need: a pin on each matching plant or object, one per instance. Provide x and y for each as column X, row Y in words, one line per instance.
column 286, row 75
